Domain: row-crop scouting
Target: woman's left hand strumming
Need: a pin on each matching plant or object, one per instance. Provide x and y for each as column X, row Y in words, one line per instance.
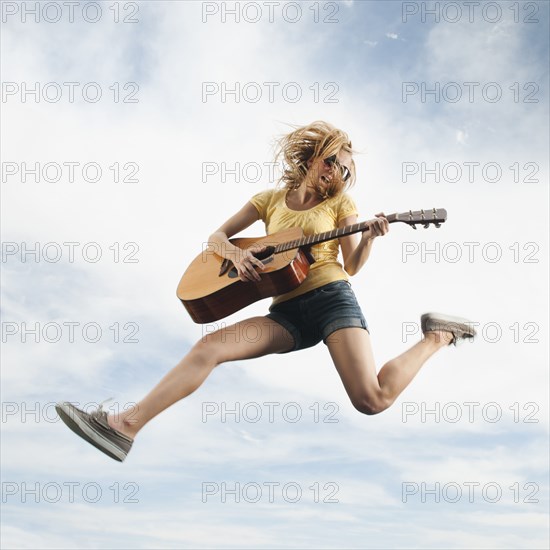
column 376, row 228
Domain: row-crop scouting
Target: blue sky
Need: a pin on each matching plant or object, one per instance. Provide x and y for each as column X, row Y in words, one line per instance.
column 183, row 460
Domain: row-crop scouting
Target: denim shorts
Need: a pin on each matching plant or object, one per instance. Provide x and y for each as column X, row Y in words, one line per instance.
column 313, row 316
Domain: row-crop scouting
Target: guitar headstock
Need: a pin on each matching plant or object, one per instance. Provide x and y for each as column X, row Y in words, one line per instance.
column 437, row 216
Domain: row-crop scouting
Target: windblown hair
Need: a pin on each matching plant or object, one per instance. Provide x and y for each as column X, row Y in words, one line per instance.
column 316, row 140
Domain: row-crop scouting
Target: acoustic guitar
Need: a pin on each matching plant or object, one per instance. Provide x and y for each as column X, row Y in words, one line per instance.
column 210, row 289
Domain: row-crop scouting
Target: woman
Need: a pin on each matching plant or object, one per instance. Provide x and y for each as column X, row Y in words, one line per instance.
column 318, row 168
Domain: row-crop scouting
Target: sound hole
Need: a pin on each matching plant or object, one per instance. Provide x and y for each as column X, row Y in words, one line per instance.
column 269, row 251
column 233, row 274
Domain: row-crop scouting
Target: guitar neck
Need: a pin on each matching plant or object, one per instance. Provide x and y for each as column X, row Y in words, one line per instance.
column 328, row 235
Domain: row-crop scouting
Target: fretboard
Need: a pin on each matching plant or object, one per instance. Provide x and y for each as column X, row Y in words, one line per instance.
column 327, row 235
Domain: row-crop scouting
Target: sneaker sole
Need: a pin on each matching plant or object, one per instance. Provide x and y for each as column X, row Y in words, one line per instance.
column 82, row 429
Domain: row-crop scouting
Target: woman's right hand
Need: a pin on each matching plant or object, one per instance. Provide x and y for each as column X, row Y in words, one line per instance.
column 246, row 263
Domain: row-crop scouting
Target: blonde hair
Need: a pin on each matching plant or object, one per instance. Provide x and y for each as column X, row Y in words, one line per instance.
column 316, row 140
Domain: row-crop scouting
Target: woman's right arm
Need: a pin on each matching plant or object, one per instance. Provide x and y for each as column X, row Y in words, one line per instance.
column 243, row 260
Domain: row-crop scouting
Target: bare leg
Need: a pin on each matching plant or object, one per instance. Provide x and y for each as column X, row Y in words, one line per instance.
column 253, row 337
column 351, row 351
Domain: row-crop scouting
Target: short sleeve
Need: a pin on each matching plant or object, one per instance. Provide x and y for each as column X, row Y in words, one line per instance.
column 346, row 207
column 261, row 201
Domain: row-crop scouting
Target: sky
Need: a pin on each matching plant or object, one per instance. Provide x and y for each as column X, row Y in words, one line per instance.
column 132, row 130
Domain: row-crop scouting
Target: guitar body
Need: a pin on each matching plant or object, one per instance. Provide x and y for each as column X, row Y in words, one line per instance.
column 209, row 296
column 210, row 288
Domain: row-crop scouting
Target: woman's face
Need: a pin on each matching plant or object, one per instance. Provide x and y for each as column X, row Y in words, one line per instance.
column 322, row 171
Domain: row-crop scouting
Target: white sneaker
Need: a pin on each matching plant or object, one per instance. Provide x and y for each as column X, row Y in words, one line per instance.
column 460, row 327
column 94, row 428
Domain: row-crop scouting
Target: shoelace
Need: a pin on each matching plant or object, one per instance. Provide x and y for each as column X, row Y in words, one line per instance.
column 100, row 416
column 100, row 412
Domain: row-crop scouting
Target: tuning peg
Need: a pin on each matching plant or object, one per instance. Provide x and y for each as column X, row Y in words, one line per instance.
column 426, row 225
column 413, row 226
column 437, row 225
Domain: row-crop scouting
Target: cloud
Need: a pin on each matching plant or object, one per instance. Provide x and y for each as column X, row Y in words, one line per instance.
column 461, row 137
column 169, row 213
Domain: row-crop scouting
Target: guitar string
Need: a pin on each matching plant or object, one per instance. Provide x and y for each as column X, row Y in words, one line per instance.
column 349, row 229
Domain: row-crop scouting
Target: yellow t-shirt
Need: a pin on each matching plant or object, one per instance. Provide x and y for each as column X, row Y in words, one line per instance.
column 325, row 216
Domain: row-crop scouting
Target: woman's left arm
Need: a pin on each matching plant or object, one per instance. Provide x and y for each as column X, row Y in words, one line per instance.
column 355, row 249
